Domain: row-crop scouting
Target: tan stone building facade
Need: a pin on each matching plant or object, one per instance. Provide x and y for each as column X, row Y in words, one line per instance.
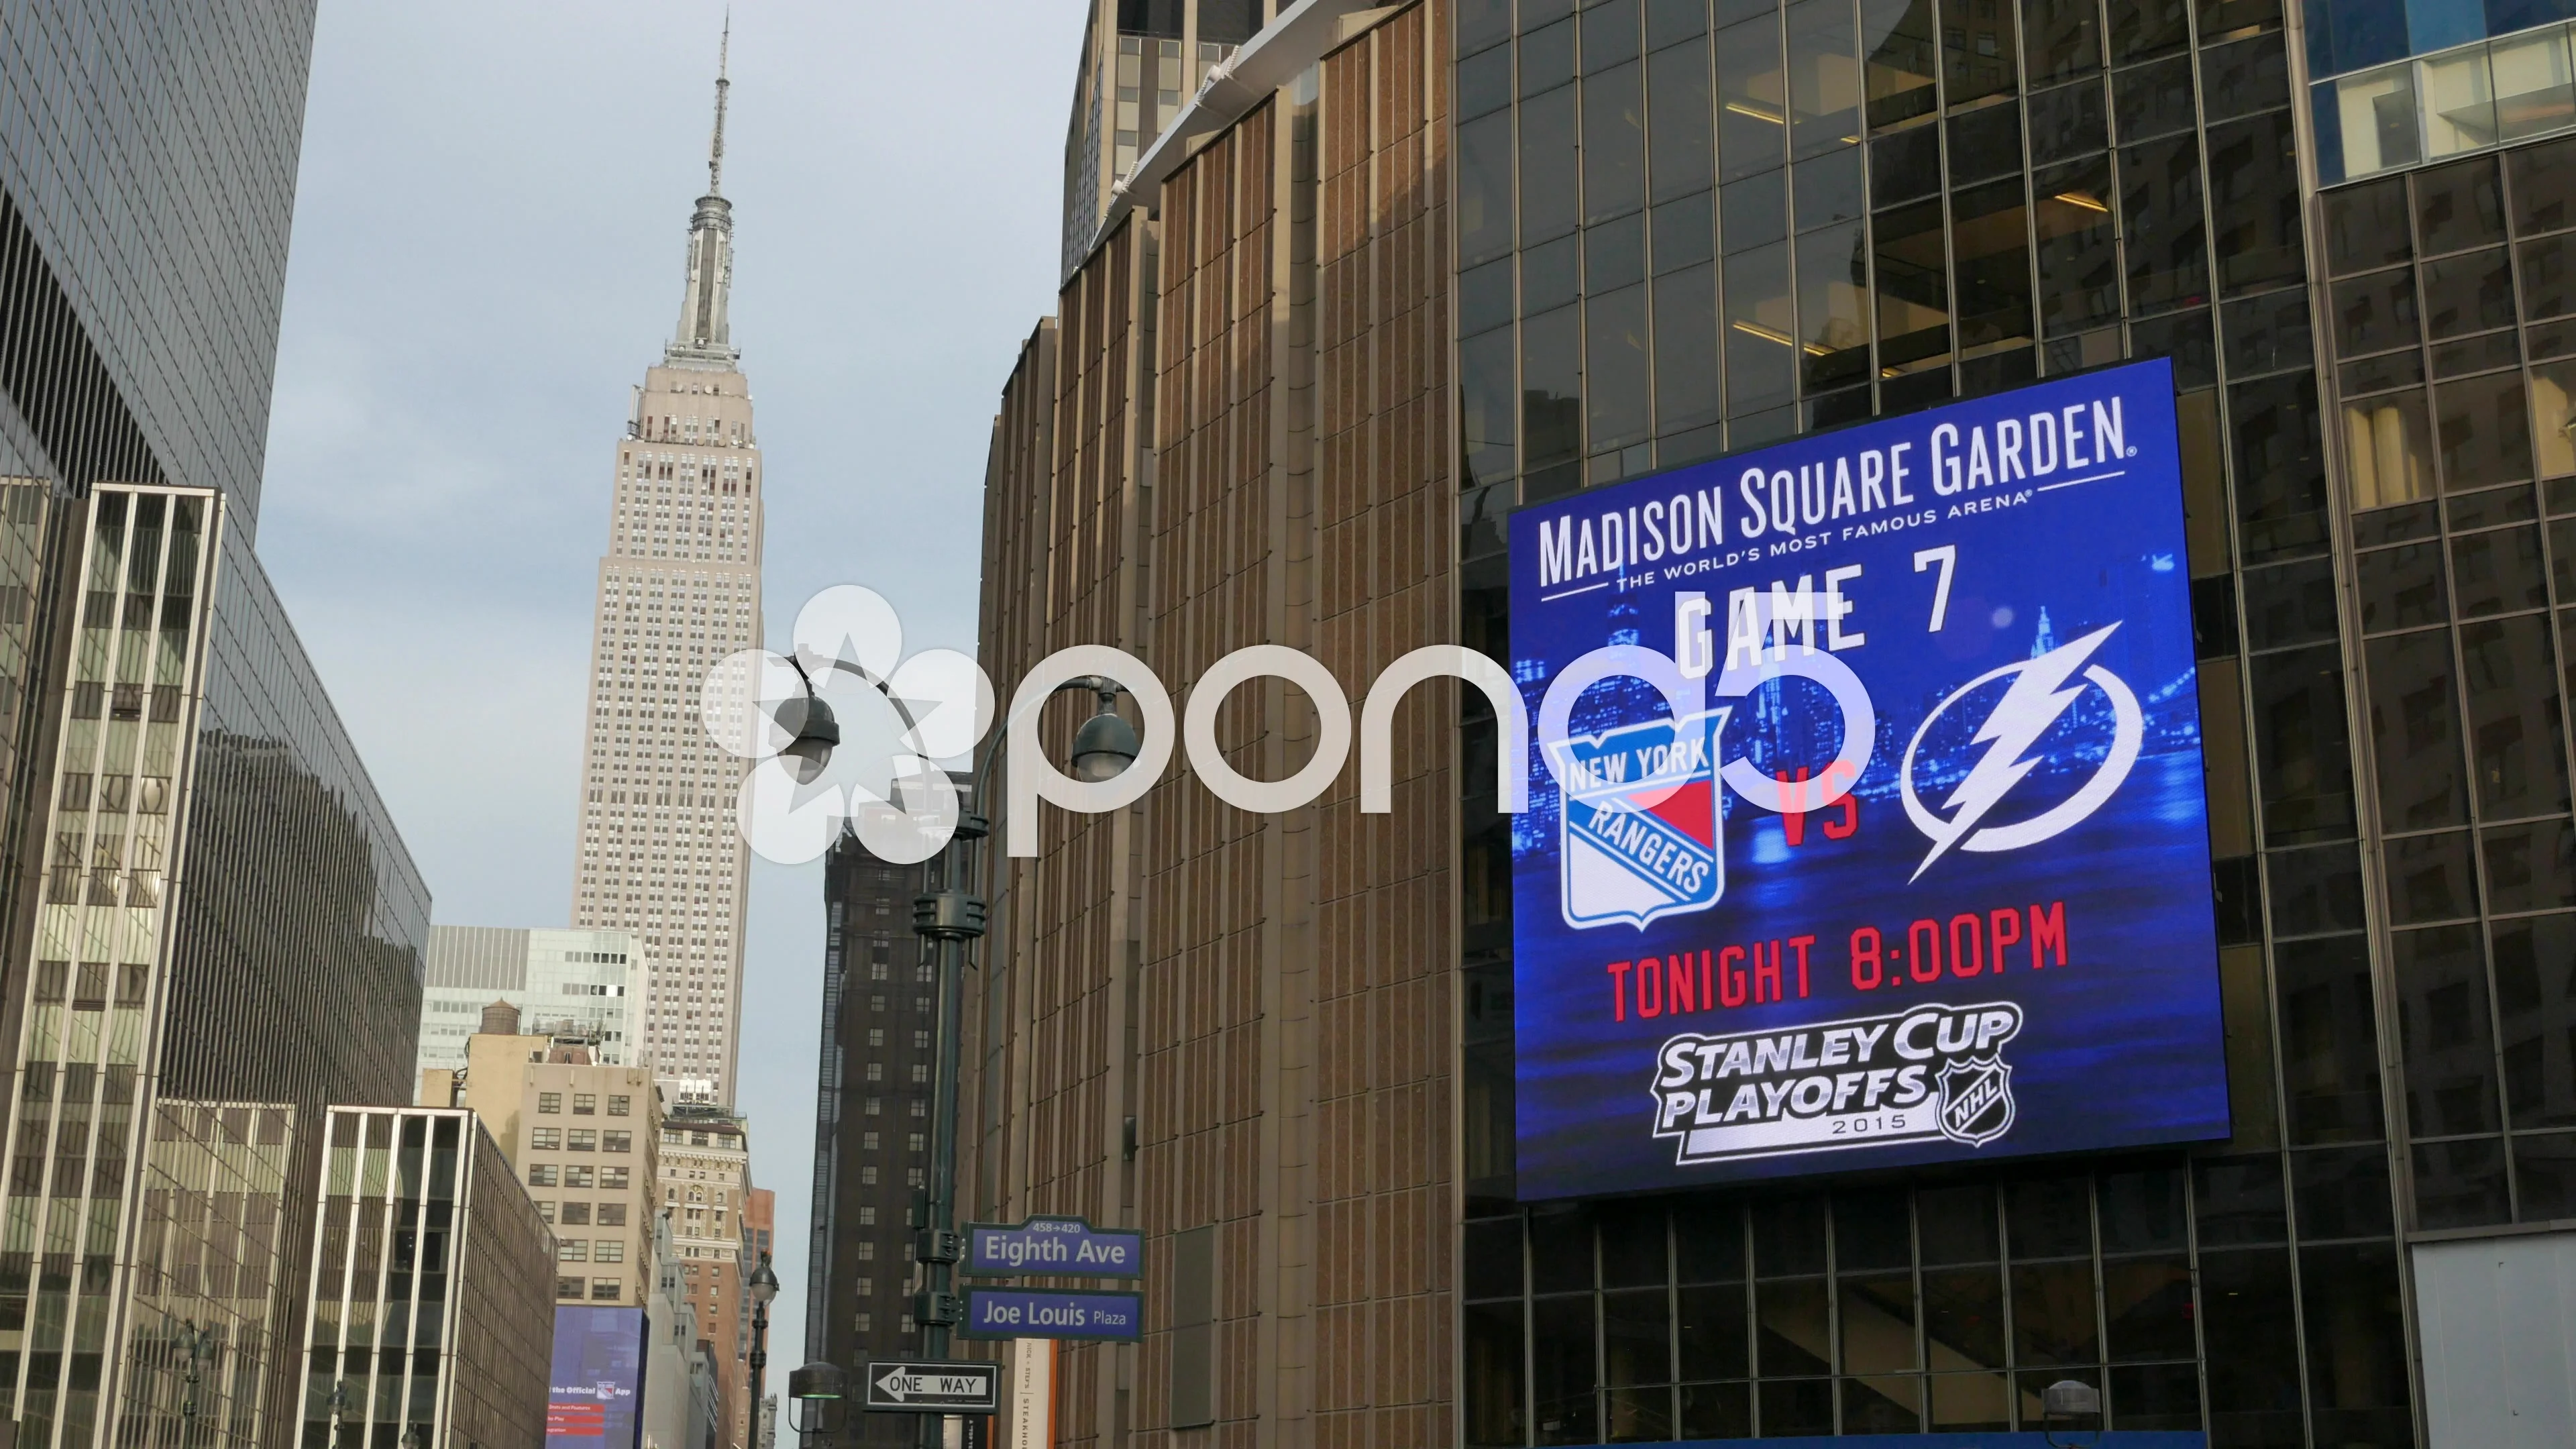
column 704, row 1174
column 679, row 590
column 1237, row 1032
column 584, row 1138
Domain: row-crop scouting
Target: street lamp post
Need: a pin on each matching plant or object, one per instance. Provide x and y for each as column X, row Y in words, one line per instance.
column 763, row 1287
column 949, row 917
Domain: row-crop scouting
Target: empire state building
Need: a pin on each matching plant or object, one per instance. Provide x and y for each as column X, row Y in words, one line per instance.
column 679, row 589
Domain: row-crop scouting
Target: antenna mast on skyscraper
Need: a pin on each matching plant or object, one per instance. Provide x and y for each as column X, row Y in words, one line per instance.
column 715, row 150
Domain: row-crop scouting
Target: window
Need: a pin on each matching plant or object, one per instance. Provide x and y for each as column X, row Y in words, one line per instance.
column 585, row 1104
column 867, row 1142
column 612, row 1179
column 576, row 1213
column 573, row 1250
column 617, row 1104
column 612, row 1215
column 920, row 1073
column 867, row 1217
column 916, row 1143
column 546, row 1212
column 608, row 1250
column 567, row 1287
column 550, row 1101
column 582, row 1139
column 546, row 1139
column 603, row 1288
column 617, row 1142
column 541, row 1174
column 876, row 1036
column 576, row 1177
column 867, row 1252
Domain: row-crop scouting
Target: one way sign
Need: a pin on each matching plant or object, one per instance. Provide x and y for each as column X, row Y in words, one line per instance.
column 934, row 1388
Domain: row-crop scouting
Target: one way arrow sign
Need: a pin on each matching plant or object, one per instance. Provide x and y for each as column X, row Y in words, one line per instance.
column 934, row 1388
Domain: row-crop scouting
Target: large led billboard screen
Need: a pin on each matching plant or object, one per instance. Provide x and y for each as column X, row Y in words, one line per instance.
column 1867, row 825
column 598, row 1378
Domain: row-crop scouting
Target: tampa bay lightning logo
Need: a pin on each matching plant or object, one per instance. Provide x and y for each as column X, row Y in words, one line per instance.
column 1639, row 836
column 2043, row 689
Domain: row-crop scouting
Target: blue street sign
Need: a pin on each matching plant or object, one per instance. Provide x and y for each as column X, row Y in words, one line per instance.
column 1061, row 1247
column 1053, row 1313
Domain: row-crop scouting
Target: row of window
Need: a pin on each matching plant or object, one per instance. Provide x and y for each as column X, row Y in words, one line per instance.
column 548, row 1174
column 581, row 1214
column 584, row 1104
column 582, row 1250
column 606, row 1290
column 579, row 1139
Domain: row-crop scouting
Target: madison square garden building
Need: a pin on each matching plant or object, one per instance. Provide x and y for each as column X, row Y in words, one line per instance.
column 1402, row 285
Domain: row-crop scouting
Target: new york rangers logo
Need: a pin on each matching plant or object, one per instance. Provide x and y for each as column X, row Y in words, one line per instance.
column 1639, row 835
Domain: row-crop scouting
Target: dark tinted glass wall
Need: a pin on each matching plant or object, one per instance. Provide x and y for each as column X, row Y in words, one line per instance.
column 1687, row 227
column 295, row 975
column 2455, row 365
column 303, row 922
column 148, row 152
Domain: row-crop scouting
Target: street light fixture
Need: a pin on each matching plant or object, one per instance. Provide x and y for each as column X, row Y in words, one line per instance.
column 200, row 1344
column 1106, row 744
column 2068, row 1399
column 816, row 733
column 814, row 1396
column 1103, row 747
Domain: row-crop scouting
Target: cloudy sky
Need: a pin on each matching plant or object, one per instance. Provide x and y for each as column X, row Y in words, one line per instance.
column 487, row 255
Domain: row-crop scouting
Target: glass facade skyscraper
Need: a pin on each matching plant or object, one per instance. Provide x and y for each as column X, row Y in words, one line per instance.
column 1688, row 228
column 1679, row 228
column 211, row 927
column 570, row 983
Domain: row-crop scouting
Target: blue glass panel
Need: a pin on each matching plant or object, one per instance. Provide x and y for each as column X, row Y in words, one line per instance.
column 2329, row 135
column 2440, row 24
column 2504, row 17
column 2347, row 35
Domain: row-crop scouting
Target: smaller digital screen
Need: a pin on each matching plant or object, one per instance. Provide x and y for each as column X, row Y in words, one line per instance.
column 598, row 1378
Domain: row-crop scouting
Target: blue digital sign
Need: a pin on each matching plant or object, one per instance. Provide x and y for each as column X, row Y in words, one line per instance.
column 1867, row 825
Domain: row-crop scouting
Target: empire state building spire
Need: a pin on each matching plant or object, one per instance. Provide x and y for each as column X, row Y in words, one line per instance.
column 703, row 335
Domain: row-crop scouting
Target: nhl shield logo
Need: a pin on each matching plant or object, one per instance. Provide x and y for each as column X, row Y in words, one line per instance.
column 1638, row 837
column 1976, row 1099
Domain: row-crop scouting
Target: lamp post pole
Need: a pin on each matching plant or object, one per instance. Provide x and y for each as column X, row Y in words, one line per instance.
column 948, row 917
column 763, row 1287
